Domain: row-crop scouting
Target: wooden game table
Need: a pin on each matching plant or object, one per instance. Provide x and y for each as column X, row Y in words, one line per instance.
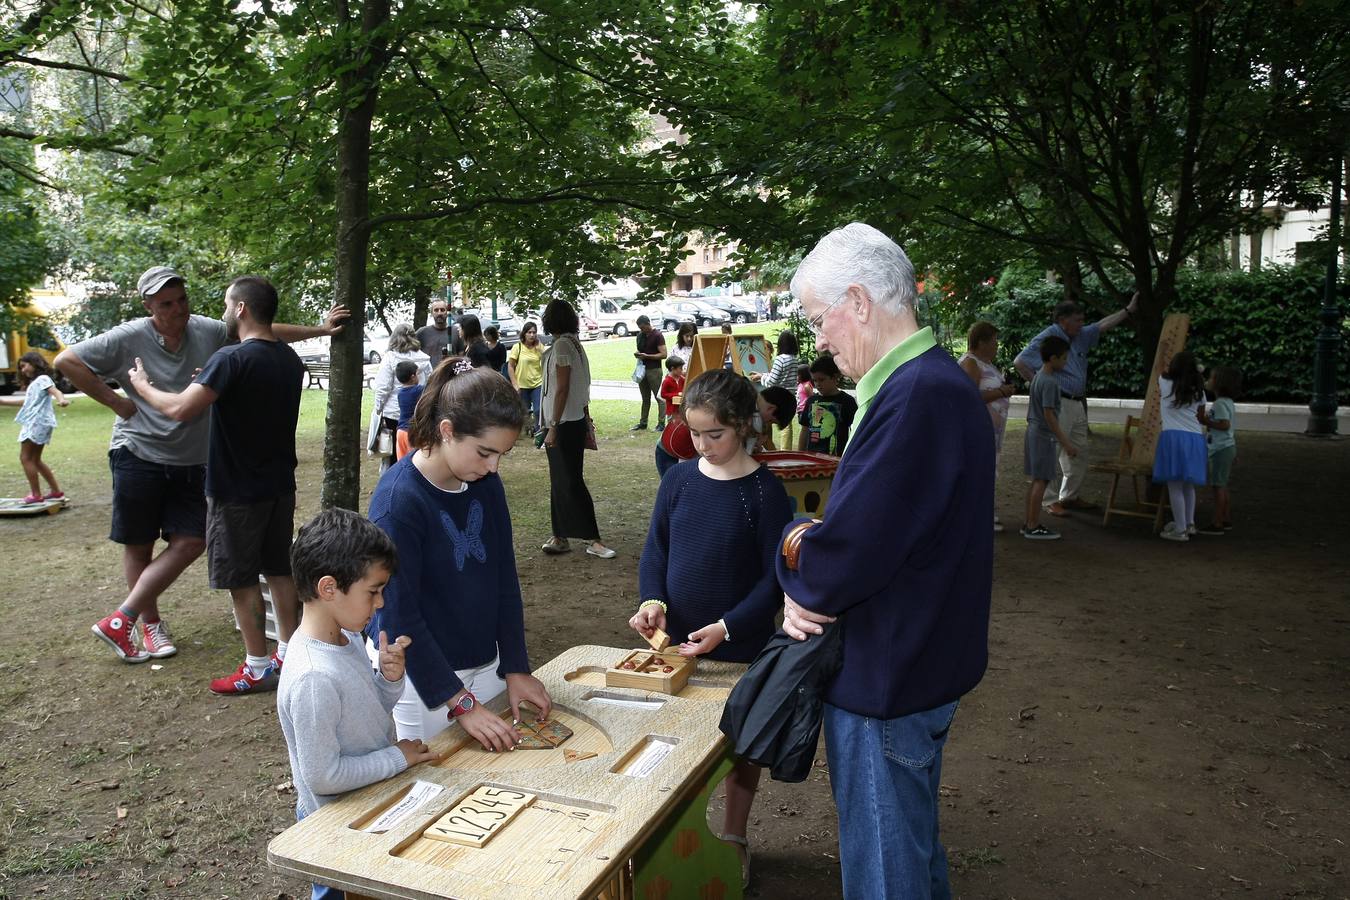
column 618, row 811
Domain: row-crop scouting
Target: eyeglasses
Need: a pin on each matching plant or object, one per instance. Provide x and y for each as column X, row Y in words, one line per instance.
column 813, row 323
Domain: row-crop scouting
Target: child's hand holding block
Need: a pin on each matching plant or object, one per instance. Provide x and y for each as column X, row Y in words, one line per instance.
column 659, row 640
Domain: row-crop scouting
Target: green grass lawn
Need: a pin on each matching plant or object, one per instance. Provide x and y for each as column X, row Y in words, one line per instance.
column 78, row 452
column 612, row 359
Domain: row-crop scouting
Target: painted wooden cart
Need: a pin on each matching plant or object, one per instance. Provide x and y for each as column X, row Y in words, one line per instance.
column 805, row 475
column 617, row 811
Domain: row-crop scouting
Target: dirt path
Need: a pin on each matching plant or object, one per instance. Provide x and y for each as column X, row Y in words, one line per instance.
column 1158, row 719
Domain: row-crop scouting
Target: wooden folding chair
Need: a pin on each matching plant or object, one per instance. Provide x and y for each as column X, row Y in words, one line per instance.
column 1128, row 464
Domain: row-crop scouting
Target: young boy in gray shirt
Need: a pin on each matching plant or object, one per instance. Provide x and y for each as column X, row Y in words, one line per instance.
column 335, row 710
column 1042, row 432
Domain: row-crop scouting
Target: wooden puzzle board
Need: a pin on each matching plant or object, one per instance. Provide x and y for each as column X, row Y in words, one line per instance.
column 586, row 820
column 1171, row 341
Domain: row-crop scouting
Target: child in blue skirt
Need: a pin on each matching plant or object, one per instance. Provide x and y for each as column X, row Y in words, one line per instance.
column 1181, row 459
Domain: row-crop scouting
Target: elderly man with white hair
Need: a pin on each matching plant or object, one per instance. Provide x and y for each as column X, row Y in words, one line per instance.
column 904, row 562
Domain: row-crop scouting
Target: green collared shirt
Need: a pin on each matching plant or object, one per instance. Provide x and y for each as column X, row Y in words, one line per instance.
column 918, row 342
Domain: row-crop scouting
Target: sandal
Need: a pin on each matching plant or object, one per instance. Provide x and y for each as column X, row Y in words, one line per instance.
column 555, row 546
column 743, row 851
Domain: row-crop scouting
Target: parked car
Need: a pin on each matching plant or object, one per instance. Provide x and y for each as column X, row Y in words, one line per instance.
column 590, row 329
column 740, row 309
column 507, row 322
column 372, row 349
column 682, row 309
column 615, row 318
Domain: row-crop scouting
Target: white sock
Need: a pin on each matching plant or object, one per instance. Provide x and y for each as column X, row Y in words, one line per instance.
column 257, row 665
column 1189, row 490
column 281, row 650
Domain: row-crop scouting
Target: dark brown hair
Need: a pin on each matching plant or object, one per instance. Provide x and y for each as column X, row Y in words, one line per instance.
column 979, row 333
column 34, row 359
column 258, row 294
column 340, row 543
column 1187, row 386
column 787, row 344
column 1053, row 346
column 728, row 396
column 688, row 328
column 560, row 318
column 1227, row 381
column 471, row 399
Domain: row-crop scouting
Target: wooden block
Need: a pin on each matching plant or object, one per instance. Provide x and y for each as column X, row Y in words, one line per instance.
column 474, row 820
column 648, row 672
column 659, row 640
column 545, row 735
column 577, row 755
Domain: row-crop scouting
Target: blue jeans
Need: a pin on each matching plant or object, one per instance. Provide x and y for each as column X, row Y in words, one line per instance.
column 884, row 774
column 530, row 398
column 322, row 891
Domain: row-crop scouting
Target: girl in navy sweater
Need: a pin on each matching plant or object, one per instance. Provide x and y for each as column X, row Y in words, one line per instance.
column 707, row 574
column 456, row 592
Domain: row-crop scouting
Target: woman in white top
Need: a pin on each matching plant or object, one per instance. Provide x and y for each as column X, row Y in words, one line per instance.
column 565, row 405
column 978, row 363
column 684, row 342
column 403, row 346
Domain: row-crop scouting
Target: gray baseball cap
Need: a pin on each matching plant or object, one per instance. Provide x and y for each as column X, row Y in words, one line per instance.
column 154, row 279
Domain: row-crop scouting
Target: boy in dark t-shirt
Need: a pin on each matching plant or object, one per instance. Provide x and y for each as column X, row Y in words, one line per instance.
column 253, row 390
column 829, row 412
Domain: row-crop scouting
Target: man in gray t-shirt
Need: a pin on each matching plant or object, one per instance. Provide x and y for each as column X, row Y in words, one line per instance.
column 158, row 464
column 437, row 336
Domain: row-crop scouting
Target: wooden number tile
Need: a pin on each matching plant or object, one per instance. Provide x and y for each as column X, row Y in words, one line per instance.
column 474, row 820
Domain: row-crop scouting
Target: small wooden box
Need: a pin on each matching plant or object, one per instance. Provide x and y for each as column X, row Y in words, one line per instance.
column 648, row 671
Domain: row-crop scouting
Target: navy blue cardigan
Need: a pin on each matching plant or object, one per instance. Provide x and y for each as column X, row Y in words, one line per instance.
column 904, row 556
column 456, row 592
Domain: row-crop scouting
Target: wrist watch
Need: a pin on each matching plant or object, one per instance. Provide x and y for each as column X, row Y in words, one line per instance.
column 467, row 701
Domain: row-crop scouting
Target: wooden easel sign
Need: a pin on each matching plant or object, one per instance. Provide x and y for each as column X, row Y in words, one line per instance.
column 749, row 353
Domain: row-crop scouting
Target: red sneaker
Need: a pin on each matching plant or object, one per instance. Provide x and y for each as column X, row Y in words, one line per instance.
column 156, row 640
column 117, row 632
column 55, row 495
column 241, row 682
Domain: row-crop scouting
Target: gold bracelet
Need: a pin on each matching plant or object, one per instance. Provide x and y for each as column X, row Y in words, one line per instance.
column 664, row 608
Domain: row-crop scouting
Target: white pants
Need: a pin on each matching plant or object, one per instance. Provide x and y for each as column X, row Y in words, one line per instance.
column 1073, row 422
column 412, row 718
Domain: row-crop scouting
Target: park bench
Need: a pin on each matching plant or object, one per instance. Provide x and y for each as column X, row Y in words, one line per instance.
column 1128, row 464
column 317, row 369
column 320, row 371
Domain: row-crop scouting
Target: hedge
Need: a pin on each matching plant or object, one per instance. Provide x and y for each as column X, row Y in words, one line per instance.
column 1265, row 323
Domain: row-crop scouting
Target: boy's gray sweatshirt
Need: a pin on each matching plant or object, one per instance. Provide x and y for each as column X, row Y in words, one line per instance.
column 335, row 711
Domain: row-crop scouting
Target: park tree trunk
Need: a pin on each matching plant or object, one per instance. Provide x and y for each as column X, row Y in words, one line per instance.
column 343, row 434
column 421, row 303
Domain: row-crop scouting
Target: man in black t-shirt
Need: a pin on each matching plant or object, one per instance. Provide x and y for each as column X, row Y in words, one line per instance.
column 651, row 349
column 253, row 390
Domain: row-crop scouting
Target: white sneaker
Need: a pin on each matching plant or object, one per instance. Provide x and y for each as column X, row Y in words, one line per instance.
column 1170, row 533
column 1191, row 531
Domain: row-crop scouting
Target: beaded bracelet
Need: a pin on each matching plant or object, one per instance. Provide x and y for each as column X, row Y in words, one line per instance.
column 664, row 608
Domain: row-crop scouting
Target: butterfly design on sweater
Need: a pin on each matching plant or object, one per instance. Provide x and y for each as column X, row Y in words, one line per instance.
column 468, row 542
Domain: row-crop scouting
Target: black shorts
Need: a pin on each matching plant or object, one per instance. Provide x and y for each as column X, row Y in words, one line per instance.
column 153, row 500
column 245, row 540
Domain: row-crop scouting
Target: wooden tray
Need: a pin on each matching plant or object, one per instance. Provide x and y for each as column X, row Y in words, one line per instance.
column 648, row 672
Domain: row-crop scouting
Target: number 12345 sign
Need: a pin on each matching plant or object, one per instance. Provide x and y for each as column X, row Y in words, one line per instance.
column 475, row 819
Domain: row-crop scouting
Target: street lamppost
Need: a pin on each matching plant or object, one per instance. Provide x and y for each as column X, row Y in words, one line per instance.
column 1322, row 407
